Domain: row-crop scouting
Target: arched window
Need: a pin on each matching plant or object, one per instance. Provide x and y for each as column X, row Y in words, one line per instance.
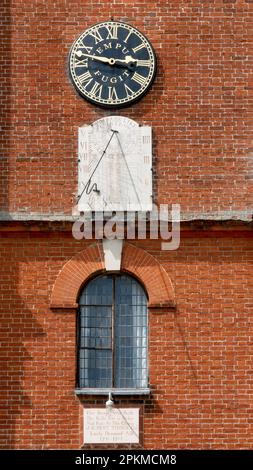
column 112, row 330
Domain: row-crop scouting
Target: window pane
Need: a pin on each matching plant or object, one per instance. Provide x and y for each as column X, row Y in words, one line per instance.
column 96, row 368
column 129, row 292
column 130, row 334
column 98, row 292
column 95, row 355
column 95, row 331
column 127, row 299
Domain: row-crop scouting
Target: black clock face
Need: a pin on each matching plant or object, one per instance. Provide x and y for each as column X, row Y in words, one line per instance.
column 112, row 64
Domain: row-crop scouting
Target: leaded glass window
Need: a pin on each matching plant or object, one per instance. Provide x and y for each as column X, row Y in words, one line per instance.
column 113, row 335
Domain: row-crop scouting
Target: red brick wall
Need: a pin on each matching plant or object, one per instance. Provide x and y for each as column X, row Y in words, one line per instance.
column 199, row 108
column 134, row 261
column 200, row 354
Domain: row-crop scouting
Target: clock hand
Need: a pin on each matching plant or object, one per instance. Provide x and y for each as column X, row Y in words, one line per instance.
column 129, row 60
column 106, row 60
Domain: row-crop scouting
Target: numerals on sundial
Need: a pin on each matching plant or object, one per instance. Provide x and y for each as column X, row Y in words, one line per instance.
column 115, row 166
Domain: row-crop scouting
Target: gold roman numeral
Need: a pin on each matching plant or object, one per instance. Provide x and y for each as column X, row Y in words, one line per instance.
column 85, row 77
column 129, row 91
column 128, row 36
column 87, row 48
column 144, row 63
column 112, row 31
column 112, row 93
column 96, row 90
column 81, row 63
column 138, row 48
column 139, row 78
column 96, row 35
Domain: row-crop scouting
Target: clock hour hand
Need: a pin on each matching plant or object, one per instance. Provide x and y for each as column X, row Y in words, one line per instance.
column 129, row 60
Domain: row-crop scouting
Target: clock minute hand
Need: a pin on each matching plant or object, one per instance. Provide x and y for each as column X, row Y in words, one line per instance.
column 129, row 60
column 106, row 60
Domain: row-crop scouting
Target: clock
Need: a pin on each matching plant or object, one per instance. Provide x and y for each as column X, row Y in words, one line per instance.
column 114, row 166
column 112, row 64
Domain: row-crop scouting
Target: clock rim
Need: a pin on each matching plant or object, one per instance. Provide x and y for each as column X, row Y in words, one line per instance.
column 111, row 105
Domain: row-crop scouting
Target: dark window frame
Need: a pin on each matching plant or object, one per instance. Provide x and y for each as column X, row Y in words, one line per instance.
column 119, row 390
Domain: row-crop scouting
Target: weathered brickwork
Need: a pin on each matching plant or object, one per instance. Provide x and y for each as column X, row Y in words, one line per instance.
column 200, row 107
column 200, row 353
column 200, row 305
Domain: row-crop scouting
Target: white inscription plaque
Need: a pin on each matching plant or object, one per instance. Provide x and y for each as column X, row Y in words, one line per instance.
column 111, row 426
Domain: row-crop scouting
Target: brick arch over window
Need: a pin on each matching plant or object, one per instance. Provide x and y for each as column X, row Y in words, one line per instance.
column 90, row 262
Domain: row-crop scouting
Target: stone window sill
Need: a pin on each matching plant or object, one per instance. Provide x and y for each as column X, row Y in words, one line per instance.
column 114, row 391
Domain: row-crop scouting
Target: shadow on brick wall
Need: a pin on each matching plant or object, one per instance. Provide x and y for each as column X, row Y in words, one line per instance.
column 5, row 99
column 18, row 329
column 17, row 324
